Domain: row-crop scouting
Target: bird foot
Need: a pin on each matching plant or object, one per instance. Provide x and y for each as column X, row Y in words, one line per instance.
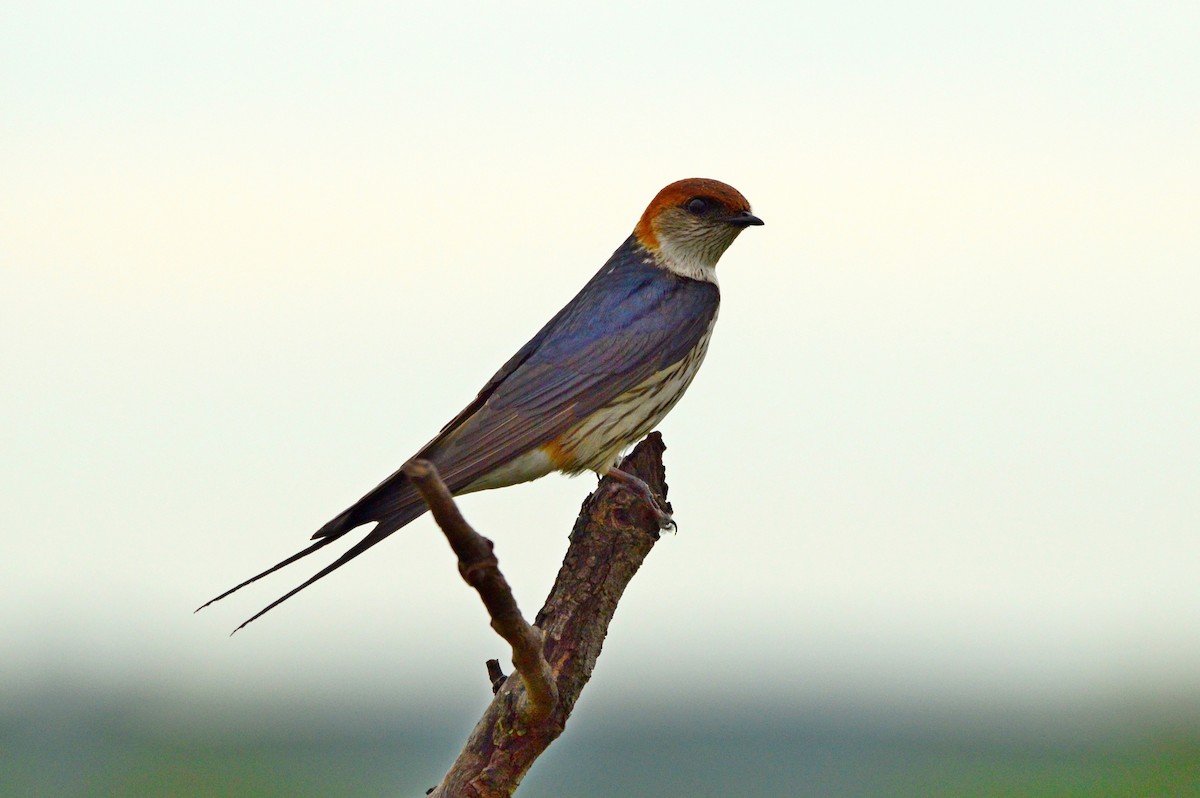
column 641, row 490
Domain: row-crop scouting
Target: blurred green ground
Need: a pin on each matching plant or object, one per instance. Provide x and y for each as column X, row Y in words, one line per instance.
column 63, row 747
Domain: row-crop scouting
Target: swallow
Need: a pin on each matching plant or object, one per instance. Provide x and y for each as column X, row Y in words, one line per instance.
column 593, row 381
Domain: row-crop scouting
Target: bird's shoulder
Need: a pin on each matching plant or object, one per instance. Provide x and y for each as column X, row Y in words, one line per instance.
column 630, row 295
column 631, row 308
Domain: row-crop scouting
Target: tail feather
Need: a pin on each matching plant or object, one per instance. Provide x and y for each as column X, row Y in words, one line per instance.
column 397, row 513
column 389, row 499
column 338, row 526
column 374, row 536
column 318, row 545
column 391, row 505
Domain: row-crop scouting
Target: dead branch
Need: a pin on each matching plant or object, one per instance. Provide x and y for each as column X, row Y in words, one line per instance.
column 479, row 569
column 613, row 534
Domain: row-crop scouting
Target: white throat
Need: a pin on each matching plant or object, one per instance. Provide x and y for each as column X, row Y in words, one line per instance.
column 695, row 262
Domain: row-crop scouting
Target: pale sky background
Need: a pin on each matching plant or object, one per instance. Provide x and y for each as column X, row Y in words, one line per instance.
column 944, row 451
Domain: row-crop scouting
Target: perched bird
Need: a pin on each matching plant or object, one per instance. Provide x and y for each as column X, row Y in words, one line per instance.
column 600, row 375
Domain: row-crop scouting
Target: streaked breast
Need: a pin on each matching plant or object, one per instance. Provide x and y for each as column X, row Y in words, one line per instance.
column 595, row 443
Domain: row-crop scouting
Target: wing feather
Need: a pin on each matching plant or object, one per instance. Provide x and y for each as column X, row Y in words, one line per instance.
column 649, row 319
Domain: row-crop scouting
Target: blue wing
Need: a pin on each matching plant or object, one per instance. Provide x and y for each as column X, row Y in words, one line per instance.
column 631, row 320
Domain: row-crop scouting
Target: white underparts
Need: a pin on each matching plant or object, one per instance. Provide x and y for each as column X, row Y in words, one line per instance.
column 522, row 468
column 595, row 443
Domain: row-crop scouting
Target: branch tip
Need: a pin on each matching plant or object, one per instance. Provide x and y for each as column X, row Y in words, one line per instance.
column 418, row 469
column 495, row 675
column 481, row 570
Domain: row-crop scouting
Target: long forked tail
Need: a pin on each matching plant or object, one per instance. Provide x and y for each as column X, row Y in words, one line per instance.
column 331, row 533
column 374, row 536
column 323, row 542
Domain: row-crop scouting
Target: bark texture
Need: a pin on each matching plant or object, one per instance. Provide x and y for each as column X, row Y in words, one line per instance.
column 611, row 538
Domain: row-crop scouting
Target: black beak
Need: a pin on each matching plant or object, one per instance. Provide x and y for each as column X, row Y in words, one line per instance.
column 744, row 219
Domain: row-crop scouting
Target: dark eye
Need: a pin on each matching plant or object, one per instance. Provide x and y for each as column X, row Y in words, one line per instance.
column 697, row 206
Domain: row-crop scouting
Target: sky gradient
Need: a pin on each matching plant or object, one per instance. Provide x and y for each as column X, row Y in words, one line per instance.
column 944, row 450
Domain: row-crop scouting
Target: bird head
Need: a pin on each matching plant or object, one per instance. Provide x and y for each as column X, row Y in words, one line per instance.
column 691, row 222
